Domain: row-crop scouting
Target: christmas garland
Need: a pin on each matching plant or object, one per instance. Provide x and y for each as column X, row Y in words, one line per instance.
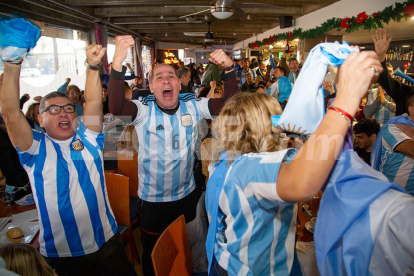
column 350, row 24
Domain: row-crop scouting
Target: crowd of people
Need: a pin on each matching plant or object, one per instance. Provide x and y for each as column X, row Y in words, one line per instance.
column 208, row 149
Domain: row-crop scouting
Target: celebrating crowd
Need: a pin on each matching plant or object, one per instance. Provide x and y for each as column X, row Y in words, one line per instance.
column 187, row 119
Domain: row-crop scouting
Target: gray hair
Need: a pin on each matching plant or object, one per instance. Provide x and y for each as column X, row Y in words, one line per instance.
column 151, row 74
column 49, row 96
column 183, row 71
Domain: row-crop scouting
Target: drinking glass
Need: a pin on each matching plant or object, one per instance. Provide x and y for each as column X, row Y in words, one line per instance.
column 2, row 193
column 8, row 199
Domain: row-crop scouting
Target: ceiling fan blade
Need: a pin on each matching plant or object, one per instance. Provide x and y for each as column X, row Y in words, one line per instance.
column 239, row 13
column 256, row 5
column 224, row 2
column 184, row 16
column 183, row 6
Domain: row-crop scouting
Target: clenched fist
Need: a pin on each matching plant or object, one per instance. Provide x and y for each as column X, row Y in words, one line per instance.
column 219, row 57
column 94, row 54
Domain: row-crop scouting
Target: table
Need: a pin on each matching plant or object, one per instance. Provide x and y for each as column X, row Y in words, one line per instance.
column 16, row 209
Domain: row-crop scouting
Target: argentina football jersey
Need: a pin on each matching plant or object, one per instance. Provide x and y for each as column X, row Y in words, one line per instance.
column 69, row 189
column 256, row 229
column 396, row 166
column 166, row 147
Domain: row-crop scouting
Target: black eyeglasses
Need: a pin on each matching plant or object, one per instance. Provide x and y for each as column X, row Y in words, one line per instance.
column 55, row 109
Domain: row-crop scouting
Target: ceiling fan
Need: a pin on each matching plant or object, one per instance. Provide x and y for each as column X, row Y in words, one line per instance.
column 208, row 37
column 223, row 9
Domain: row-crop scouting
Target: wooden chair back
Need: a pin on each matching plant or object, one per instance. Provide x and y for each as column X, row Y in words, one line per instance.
column 171, row 254
column 117, row 187
column 129, row 168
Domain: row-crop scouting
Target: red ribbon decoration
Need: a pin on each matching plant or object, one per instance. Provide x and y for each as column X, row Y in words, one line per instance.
column 271, row 38
column 290, row 35
column 375, row 14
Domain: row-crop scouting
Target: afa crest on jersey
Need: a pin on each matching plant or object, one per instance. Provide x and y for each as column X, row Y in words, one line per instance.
column 186, row 120
column 77, row 145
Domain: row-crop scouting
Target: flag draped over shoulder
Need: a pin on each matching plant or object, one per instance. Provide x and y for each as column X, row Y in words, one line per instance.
column 364, row 224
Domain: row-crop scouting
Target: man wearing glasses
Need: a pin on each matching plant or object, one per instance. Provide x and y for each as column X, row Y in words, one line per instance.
column 78, row 231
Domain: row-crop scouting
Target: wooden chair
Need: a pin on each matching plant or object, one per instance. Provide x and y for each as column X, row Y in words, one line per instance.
column 129, row 168
column 171, row 254
column 117, row 187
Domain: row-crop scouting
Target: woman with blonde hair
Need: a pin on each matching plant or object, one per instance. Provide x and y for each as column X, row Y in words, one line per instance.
column 254, row 185
column 25, row 260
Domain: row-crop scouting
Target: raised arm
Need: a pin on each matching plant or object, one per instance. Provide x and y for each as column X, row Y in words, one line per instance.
column 18, row 128
column 318, row 155
column 92, row 112
column 385, row 80
column 116, row 90
column 230, row 81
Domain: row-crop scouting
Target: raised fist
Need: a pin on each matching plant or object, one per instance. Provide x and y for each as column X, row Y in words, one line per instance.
column 219, row 57
column 94, row 54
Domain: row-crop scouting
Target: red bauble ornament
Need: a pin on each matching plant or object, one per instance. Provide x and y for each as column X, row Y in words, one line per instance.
column 375, row 14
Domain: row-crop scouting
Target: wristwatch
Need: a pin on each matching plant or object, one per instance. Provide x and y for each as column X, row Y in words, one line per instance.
column 87, row 65
column 231, row 67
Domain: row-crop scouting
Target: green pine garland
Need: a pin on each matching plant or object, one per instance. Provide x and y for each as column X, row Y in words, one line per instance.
column 369, row 22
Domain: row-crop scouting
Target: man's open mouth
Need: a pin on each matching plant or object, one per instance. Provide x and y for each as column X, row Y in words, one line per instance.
column 64, row 125
column 167, row 93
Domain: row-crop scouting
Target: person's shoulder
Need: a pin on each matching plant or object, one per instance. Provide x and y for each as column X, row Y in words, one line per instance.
column 185, row 97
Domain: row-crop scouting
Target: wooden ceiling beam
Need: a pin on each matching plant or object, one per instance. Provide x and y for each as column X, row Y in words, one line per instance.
column 180, row 11
column 137, row 20
column 282, row 3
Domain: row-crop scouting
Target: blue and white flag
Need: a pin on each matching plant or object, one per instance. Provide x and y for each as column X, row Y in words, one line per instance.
column 305, row 109
column 17, row 37
column 364, row 224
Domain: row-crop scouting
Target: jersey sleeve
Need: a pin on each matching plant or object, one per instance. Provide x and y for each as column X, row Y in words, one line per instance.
column 141, row 111
column 263, row 184
column 393, row 136
column 28, row 157
column 95, row 138
column 202, row 107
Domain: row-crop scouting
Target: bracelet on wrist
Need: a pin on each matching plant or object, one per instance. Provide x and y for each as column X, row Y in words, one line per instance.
column 15, row 62
column 231, row 67
column 344, row 114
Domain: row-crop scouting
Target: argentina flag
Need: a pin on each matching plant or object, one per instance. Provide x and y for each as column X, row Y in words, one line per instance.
column 364, row 224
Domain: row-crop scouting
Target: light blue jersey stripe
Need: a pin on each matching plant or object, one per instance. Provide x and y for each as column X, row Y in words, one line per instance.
column 65, row 206
column 159, row 120
column 146, row 161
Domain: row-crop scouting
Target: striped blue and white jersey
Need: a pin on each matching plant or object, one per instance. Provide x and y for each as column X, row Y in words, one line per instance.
column 256, row 229
column 166, row 151
column 397, row 167
column 68, row 185
column 385, row 111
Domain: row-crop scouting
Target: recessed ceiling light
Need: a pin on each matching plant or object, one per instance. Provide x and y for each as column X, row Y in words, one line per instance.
column 248, row 17
column 279, row 43
column 297, row 39
column 162, row 17
column 166, row 34
column 412, row 17
column 406, row 46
